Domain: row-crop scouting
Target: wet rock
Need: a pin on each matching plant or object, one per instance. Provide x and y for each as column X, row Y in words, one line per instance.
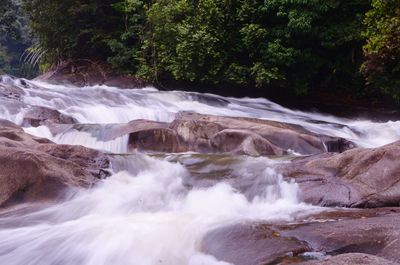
column 33, row 169
column 93, row 161
column 158, row 140
column 356, row 178
column 27, row 175
column 217, row 134
column 5, row 124
column 12, row 135
column 37, row 116
column 377, row 235
column 243, row 142
column 250, row 245
column 352, row 237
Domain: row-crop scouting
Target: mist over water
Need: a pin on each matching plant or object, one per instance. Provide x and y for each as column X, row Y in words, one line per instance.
column 155, row 209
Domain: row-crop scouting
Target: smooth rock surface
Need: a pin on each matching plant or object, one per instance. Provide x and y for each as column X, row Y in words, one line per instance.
column 359, row 177
column 375, row 232
column 250, row 245
column 33, row 169
column 218, row 134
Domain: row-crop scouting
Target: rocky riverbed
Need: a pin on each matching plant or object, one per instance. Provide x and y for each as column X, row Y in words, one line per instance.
column 104, row 175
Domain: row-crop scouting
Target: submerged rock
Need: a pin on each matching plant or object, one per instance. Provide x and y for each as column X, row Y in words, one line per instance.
column 37, row 116
column 34, row 169
column 10, row 91
column 356, row 178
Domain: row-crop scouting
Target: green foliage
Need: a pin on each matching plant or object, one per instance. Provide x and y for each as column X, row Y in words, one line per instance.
column 13, row 40
column 9, row 23
column 382, row 51
column 183, row 40
column 271, row 45
column 125, row 48
column 4, row 61
column 277, row 43
column 73, row 28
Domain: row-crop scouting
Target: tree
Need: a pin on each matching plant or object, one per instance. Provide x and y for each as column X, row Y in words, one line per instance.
column 382, row 51
column 73, row 28
column 13, row 39
column 9, row 21
column 292, row 44
column 273, row 45
column 126, row 55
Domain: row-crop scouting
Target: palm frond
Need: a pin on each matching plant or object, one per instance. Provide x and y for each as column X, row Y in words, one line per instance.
column 33, row 55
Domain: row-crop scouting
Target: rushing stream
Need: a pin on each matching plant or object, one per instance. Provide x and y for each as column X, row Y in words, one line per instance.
column 155, row 209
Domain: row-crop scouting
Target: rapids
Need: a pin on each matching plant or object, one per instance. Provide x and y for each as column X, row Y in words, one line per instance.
column 155, row 209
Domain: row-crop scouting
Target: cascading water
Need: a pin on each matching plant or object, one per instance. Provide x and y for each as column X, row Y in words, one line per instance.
column 154, row 209
column 110, row 105
column 143, row 217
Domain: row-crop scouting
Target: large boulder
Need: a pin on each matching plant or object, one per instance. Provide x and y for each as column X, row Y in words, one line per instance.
column 356, row 178
column 33, row 169
column 373, row 233
column 218, row 134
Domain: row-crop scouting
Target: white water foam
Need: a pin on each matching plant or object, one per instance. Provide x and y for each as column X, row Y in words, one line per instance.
column 144, row 219
column 118, row 145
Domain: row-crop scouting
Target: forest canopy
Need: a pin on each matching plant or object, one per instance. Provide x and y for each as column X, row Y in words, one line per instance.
column 293, row 45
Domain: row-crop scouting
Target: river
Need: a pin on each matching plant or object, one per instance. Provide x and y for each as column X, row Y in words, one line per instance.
column 156, row 208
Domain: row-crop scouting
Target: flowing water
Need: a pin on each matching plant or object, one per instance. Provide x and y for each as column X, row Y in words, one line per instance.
column 154, row 209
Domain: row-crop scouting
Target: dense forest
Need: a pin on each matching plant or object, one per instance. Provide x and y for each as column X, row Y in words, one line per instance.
column 14, row 40
column 293, row 45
